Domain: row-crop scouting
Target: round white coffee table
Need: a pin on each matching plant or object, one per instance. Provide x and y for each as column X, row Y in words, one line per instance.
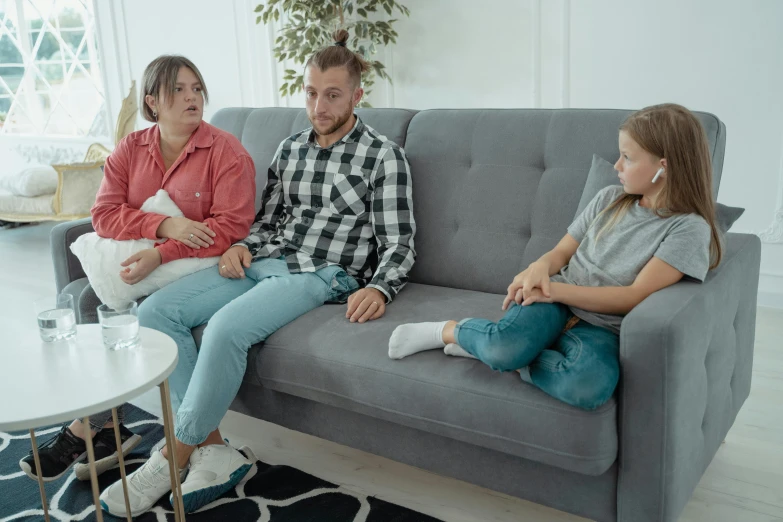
column 57, row 382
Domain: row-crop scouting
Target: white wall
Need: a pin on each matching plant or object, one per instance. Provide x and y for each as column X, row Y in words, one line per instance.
column 720, row 56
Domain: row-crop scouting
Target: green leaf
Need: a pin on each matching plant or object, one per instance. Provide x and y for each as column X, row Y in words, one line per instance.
column 362, row 13
column 259, row 8
column 277, row 16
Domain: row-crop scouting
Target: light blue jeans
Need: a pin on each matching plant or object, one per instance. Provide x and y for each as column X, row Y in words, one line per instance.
column 240, row 312
column 579, row 366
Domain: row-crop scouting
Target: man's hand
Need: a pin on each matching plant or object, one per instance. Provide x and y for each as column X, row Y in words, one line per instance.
column 146, row 261
column 232, row 261
column 188, row 232
column 366, row 304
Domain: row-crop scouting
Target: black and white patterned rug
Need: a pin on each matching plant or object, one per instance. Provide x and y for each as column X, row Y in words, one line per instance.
column 268, row 493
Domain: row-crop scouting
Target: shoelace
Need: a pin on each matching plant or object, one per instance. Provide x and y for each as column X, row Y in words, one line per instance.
column 60, row 442
column 147, row 477
column 199, row 454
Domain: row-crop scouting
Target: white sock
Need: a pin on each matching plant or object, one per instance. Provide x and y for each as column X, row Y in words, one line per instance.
column 457, row 351
column 411, row 338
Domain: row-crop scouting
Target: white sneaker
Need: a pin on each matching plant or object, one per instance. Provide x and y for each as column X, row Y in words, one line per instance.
column 146, row 486
column 214, row 470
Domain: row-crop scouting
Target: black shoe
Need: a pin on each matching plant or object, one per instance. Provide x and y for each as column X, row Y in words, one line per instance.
column 105, row 447
column 57, row 455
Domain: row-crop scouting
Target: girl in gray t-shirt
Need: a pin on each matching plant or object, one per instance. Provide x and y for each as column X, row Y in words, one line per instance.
column 565, row 310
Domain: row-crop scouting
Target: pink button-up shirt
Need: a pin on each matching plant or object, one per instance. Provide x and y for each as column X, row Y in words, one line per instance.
column 212, row 181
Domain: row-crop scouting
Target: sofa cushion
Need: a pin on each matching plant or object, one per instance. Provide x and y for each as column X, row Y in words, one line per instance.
column 324, row 358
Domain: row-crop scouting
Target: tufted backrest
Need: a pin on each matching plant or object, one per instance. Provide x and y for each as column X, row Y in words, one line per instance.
column 493, row 189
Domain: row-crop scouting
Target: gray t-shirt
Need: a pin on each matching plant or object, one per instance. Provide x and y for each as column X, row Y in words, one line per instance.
column 617, row 257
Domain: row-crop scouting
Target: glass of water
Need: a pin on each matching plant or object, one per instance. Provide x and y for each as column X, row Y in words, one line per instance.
column 120, row 326
column 56, row 317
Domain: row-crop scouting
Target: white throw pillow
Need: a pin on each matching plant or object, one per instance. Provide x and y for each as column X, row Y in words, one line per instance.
column 101, row 258
column 31, row 182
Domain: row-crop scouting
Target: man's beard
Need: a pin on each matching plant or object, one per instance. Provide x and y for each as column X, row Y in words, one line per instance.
column 341, row 120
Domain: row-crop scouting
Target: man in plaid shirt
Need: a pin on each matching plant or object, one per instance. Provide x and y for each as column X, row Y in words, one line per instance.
column 332, row 200
column 338, row 200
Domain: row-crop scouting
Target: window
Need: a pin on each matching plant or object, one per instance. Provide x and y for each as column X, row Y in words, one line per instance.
column 50, row 76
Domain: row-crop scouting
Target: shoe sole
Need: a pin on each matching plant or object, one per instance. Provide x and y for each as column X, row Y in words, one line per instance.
column 202, row 497
column 82, row 470
column 28, row 470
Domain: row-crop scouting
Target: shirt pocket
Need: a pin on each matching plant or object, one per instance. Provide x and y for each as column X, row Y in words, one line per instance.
column 349, row 195
column 195, row 205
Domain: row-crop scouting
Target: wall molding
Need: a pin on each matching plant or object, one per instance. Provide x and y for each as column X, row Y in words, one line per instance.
column 244, row 64
column 565, row 56
column 389, row 57
column 774, row 232
column 535, row 40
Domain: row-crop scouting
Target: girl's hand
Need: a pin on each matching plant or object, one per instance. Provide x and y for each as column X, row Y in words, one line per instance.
column 535, row 276
column 536, row 296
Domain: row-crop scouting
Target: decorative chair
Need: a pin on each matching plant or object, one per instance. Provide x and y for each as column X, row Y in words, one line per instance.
column 77, row 183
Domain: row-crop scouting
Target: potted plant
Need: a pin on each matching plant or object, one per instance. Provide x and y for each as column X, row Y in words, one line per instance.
column 308, row 25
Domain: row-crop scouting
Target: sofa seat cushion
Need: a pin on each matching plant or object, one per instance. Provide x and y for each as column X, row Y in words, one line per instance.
column 323, row 357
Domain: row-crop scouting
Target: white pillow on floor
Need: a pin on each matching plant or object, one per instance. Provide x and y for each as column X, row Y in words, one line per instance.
column 101, row 258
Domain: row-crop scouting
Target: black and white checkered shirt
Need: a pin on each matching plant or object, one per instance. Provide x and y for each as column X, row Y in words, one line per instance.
column 349, row 204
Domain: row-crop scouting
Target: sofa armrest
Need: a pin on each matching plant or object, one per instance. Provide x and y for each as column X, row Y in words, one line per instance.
column 66, row 265
column 686, row 355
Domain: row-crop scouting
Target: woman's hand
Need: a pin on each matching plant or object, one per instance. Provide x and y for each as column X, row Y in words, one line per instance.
column 536, row 276
column 188, row 232
column 146, row 261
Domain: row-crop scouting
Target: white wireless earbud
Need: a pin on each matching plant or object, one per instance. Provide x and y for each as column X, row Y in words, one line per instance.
column 658, row 174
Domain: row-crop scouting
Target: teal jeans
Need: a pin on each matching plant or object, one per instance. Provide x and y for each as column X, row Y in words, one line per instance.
column 579, row 366
column 240, row 312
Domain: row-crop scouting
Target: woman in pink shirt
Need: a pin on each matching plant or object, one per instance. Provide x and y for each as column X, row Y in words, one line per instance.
column 206, row 171
column 208, row 174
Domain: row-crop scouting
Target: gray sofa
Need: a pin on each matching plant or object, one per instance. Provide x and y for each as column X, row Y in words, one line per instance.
column 493, row 190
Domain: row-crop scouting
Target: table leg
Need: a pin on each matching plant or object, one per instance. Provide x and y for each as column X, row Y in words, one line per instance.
column 93, row 474
column 38, row 474
column 118, row 442
column 168, row 430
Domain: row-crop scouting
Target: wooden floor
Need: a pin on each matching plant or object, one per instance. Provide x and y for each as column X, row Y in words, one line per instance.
column 744, row 483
